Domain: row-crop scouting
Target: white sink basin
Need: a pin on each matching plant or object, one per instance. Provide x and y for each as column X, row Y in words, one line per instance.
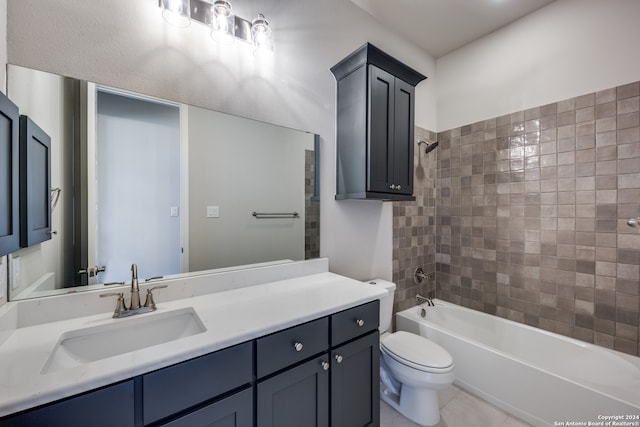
column 87, row 345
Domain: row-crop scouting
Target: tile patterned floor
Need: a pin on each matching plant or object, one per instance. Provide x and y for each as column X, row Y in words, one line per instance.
column 458, row 408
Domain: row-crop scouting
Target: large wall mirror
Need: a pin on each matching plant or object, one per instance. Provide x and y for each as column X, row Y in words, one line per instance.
column 174, row 188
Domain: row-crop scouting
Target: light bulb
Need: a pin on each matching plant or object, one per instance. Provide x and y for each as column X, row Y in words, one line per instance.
column 223, row 22
column 261, row 36
column 176, row 12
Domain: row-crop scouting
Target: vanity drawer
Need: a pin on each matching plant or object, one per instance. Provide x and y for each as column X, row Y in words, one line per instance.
column 353, row 322
column 279, row 350
column 173, row 389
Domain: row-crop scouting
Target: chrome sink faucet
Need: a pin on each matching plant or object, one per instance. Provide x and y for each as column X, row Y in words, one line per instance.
column 134, row 305
column 135, row 290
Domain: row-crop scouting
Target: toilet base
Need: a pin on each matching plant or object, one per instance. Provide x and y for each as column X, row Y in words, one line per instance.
column 420, row 405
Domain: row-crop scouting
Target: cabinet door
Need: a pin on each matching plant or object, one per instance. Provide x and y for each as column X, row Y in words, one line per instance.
column 110, row 406
column 9, row 172
column 298, row 397
column 35, row 183
column 403, row 137
column 233, row 411
column 381, row 130
column 355, row 383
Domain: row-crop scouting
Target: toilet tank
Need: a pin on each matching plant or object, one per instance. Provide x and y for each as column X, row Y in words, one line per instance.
column 386, row 302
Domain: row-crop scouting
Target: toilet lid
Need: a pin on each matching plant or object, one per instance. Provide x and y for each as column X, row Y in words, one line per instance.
column 416, row 350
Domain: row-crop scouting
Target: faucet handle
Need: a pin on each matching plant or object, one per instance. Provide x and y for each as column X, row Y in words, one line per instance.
column 120, row 305
column 149, row 302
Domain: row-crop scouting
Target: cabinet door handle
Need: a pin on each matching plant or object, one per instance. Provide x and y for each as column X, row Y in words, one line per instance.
column 398, row 187
column 360, row 322
column 339, row 358
column 298, row 346
column 325, row 366
column 392, row 186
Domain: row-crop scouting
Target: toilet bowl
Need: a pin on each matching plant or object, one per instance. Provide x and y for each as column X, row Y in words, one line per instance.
column 412, row 368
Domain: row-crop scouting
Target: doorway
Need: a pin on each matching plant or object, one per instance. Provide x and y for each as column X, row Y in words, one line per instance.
column 136, row 211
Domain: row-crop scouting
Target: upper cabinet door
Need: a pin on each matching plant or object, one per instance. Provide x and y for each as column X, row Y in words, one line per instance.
column 382, row 130
column 9, row 177
column 35, row 183
column 402, row 160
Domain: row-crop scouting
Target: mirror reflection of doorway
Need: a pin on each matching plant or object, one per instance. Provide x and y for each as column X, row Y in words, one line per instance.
column 136, row 216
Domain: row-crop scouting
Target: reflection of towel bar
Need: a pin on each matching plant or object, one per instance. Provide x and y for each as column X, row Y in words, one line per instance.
column 263, row 215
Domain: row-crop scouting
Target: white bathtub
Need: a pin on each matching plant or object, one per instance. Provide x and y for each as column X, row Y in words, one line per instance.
column 538, row 376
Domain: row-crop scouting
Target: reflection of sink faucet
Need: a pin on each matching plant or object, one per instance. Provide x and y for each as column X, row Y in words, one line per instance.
column 134, row 306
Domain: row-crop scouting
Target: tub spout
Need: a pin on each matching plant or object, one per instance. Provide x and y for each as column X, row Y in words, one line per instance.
column 422, row 299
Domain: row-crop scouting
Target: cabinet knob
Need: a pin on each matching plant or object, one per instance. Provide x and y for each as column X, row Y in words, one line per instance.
column 339, row 358
column 325, row 366
column 298, row 346
column 392, row 186
column 360, row 322
column 398, row 187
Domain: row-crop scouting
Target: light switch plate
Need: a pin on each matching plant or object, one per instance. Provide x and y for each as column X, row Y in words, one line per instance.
column 213, row 211
column 16, row 273
column 174, row 211
column 3, row 278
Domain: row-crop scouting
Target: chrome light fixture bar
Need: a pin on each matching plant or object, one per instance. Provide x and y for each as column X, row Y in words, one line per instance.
column 218, row 15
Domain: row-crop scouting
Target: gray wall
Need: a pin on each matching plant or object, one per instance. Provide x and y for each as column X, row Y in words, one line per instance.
column 266, row 173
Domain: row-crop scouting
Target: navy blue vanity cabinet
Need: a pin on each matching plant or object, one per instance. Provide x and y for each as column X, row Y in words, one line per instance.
column 320, row 373
column 208, row 390
column 355, row 367
column 375, row 126
column 9, row 176
column 107, row 407
column 293, row 378
column 336, row 383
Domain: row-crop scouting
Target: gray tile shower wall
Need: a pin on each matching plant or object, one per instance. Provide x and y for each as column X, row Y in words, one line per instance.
column 414, row 227
column 531, row 218
column 311, row 208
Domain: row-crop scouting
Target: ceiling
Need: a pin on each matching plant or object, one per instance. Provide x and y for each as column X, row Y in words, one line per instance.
column 442, row 26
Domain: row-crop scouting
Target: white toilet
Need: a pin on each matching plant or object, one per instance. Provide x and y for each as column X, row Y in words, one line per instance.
column 412, row 368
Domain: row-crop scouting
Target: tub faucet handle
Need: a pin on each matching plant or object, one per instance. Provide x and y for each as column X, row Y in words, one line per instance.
column 419, row 276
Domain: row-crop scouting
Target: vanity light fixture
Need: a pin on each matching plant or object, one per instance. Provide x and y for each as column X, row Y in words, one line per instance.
column 176, row 12
column 225, row 25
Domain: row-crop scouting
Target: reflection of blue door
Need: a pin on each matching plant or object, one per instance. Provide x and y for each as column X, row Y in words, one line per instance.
column 137, row 187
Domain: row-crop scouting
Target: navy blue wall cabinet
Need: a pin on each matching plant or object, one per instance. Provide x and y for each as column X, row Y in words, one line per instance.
column 35, row 183
column 375, row 121
column 9, row 177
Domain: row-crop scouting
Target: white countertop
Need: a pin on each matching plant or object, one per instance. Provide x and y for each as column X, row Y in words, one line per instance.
column 230, row 317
